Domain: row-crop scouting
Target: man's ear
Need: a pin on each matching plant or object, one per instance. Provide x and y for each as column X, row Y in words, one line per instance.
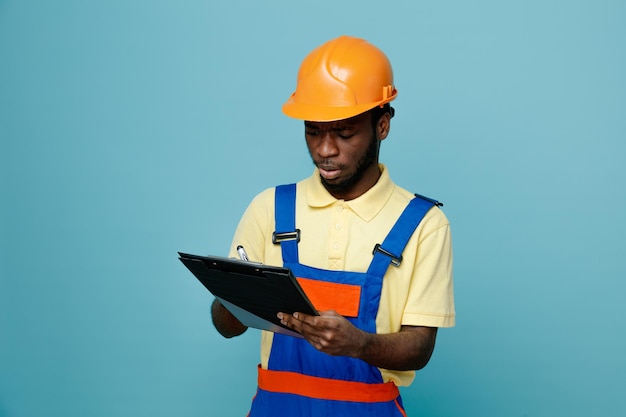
column 383, row 126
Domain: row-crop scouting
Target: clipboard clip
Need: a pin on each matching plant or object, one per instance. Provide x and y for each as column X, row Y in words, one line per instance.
column 284, row 236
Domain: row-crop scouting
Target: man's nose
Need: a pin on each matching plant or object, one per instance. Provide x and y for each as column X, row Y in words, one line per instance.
column 328, row 145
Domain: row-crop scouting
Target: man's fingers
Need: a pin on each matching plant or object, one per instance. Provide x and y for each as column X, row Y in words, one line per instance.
column 292, row 321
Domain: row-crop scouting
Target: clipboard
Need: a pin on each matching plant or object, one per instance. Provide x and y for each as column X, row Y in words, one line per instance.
column 252, row 292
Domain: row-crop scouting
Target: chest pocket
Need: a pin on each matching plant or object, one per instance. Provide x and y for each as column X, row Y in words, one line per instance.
column 343, row 298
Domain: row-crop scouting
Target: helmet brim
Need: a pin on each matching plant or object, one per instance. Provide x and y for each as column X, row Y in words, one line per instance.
column 318, row 113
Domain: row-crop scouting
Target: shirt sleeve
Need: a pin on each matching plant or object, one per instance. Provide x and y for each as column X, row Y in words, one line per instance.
column 430, row 300
column 255, row 226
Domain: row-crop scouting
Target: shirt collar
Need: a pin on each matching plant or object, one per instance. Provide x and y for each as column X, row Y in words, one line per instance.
column 365, row 206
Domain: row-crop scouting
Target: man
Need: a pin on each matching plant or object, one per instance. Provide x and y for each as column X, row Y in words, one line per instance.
column 374, row 259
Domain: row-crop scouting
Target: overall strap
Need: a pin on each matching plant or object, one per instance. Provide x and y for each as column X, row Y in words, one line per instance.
column 390, row 251
column 286, row 233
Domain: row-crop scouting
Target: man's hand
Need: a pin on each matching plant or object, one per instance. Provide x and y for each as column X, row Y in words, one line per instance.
column 331, row 333
column 225, row 322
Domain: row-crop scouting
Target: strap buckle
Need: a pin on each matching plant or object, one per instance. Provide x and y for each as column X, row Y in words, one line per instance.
column 395, row 260
column 431, row 200
column 283, row 236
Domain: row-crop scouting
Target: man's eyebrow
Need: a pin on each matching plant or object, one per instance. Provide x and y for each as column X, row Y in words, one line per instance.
column 335, row 128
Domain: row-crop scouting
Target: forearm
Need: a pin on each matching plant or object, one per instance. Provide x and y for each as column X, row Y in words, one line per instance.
column 410, row 349
column 225, row 323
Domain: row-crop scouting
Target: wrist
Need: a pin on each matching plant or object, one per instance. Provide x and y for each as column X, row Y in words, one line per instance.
column 364, row 343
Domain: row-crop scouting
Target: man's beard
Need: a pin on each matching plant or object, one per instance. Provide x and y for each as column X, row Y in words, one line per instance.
column 370, row 157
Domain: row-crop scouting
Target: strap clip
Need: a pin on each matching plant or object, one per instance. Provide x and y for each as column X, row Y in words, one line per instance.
column 395, row 260
column 283, row 236
column 431, row 200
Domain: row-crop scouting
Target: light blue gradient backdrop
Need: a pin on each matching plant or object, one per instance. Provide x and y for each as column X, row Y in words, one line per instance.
column 130, row 130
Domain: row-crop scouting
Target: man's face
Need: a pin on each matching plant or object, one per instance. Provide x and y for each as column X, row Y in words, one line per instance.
column 346, row 154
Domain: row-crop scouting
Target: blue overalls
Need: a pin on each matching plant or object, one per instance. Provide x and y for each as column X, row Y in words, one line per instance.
column 302, row 381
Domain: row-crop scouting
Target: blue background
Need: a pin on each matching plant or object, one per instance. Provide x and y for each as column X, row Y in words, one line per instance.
column 131, row 130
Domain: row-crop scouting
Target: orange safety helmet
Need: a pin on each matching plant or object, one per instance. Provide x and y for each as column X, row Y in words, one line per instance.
column 340, row 79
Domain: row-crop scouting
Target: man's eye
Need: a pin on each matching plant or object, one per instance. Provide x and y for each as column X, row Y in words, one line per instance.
column 311, row 132
column 345, row 135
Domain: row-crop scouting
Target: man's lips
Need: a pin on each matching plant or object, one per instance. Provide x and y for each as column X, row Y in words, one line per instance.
column 329, row 172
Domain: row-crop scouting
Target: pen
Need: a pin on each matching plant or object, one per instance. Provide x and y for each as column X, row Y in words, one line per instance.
column 242, row 253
